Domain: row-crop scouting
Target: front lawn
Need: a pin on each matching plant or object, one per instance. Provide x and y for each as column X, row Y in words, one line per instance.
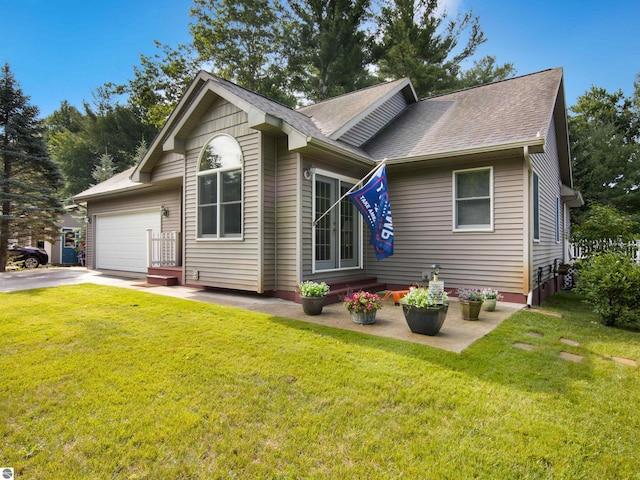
column 100, row 382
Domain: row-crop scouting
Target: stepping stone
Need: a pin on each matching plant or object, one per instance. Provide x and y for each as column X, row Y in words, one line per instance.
column 524, row 346
column 535, row 334
column 545, row 312
column 566, row 341
column 625, row 361
column 571, row 357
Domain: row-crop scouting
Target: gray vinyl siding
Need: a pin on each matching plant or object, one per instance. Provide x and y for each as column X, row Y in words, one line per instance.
column 224, row 263
column 371, row 124
column 169, row 166
column 421, row 205
column 171, row 198
column 287, row 217
column 269, row 235
column 545, row 251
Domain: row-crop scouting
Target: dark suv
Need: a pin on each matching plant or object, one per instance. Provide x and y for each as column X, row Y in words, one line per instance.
column 29, row 256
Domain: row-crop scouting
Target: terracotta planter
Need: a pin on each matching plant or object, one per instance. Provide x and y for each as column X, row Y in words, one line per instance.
column 312, row 305
column 365, row 318
column 470, row 310
column 489, row 304
column 425, row 320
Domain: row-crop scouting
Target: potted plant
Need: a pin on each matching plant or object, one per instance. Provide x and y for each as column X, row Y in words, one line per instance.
column 424, row 312
column 470, row 302
column 312, row 295
column 491, row 298
column 363, row 307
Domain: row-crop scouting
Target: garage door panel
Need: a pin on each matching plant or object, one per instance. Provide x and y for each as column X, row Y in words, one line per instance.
column 121, row 240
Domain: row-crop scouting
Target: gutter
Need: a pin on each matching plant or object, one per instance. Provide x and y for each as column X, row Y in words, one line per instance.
column 532, row 146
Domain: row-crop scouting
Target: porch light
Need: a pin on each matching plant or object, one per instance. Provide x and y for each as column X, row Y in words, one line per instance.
column 164, row 211
column 309, row 172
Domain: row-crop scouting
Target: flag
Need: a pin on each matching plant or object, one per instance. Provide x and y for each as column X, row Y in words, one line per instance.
column 372, row 201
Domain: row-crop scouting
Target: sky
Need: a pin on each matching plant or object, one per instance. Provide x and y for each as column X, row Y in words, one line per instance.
column 64, row 50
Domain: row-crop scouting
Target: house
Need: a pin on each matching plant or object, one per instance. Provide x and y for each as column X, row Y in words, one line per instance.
column 479, row 182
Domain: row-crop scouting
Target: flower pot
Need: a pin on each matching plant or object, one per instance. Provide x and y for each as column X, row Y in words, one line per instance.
column 312, row 305
column 470, row 310
column 425, row 320
column 489, row 304
column 364, row 318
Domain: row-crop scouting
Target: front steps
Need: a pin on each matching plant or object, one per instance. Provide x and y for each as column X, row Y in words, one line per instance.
column 346, row 286
column 165, row 276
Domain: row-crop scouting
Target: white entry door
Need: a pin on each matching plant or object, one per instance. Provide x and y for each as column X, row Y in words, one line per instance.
column 121, row 240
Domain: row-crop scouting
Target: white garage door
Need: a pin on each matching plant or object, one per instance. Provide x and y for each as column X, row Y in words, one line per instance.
column 121, row 240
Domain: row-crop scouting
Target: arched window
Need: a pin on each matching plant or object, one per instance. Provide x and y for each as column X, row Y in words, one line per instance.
column 220, row 189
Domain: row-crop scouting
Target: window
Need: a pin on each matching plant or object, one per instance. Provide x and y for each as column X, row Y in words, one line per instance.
column 473, row 199
column 220, row 189
column 536, row 207
column 557, row 220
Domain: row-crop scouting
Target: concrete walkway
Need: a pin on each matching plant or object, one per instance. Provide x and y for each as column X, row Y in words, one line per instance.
column 456, row 334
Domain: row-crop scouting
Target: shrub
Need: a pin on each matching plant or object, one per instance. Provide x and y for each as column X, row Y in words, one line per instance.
column 611, row 282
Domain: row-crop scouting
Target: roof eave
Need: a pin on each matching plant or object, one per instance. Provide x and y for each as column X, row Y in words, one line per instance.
column 535, row 145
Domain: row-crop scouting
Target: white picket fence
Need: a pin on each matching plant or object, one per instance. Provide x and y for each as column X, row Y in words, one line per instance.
column 583, row 249
column 163, row 249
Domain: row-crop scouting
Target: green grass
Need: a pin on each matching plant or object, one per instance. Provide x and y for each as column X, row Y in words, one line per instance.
column 100, row 382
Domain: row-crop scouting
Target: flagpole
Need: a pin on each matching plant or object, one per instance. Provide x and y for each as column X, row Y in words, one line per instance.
column 368, row 175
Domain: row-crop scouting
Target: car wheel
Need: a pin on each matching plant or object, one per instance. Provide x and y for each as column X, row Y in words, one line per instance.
column 31, row 262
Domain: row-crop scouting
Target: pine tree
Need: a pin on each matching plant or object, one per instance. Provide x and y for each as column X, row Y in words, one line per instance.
column 29, row 179
column 105, row 168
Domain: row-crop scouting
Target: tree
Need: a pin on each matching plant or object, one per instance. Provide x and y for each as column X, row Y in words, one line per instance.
column 332, row 53
column 105, row 169
column 245, row 41
column 30, row 180
column 605, row 134
column 76, row 141
column 416, row 41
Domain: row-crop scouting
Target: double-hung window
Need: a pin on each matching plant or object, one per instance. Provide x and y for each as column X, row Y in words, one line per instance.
column 473, row 199
column 220, row 189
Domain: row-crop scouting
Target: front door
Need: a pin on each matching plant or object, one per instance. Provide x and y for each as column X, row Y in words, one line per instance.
column 69, row 244
column 337, row 234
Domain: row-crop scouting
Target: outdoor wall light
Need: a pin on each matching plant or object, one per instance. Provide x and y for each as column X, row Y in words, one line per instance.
column 87, row 219
column 309, row 172
column 164, row 211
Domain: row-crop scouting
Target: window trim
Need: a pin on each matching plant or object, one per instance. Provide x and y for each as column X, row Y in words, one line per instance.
column 535, row 206
column 340, row 179
column 558, row 236
column 474, row 228
column 218, row 171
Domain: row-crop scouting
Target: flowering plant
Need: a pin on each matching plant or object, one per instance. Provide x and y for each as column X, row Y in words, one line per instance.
column 423, row 297
column 362, row 302
column 313, row 289
column 470, row 295
column 490, row 294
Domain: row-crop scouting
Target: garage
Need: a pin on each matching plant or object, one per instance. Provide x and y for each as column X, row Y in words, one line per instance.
column 121, row 240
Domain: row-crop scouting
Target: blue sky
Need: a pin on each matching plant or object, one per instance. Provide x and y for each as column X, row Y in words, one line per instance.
column 63, row 50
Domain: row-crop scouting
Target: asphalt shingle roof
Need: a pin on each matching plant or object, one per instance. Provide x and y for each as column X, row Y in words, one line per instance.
column 509, row 111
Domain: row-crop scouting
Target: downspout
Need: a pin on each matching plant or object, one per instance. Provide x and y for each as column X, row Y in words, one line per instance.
column 183, row 226
column 527, row 244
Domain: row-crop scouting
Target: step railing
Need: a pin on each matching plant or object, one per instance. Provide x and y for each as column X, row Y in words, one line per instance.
column 163, row 249
column 584, row 248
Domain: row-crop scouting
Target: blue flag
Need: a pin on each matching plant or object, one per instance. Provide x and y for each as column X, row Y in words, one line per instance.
column 373, row 202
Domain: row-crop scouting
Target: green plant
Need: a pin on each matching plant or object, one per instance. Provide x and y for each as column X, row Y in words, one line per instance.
column 611, row 282
column 490, row 294
column 313, row 289
column 470, row 295
column 362, row 302
column 422, row 297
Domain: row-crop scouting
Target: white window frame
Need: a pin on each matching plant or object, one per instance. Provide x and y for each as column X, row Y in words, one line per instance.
column 340, row 178
column 558, row 236
column 535, row 195
column 219, row 171
column 473, row 228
